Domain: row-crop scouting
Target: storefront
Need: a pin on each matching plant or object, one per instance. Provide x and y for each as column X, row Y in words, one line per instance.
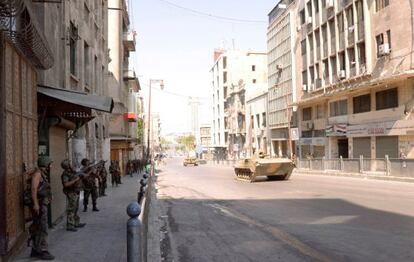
column 313, row 147
column 338, row 142
column 376, row 140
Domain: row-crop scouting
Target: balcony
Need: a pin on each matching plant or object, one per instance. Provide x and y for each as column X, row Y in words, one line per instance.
column 131, row 80
column 345, row 3
column 129, row 41
column 352, row 71
column 318, row 83
column 333, row 46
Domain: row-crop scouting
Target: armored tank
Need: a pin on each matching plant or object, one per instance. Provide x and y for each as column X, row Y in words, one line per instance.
column 272, row 168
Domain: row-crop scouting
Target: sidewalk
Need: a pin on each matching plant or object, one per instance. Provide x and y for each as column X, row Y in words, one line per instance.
column 103, row 238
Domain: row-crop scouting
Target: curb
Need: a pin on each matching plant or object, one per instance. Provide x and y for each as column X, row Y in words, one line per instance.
column 355, row 175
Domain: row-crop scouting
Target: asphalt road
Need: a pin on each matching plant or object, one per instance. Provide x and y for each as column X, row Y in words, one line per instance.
column 207, row 215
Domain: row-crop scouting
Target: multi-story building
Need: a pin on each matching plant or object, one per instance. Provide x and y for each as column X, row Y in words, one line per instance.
column 155, row 138
column 357, row 73
column 123, row 83
column 232, row 70
column 281, row 44
column 194, row 105
column 256, row 119
column 205, row 135
column 53, row 99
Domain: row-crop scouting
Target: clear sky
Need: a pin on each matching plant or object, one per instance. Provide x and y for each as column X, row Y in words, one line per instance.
column 177, row 45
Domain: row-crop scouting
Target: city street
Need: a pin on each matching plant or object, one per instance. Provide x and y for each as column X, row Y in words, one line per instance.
column 207, row 215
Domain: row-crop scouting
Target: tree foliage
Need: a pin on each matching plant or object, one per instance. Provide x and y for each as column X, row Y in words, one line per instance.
column 187, row 141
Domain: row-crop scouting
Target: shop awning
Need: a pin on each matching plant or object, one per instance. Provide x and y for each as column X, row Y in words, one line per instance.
column 100, row 103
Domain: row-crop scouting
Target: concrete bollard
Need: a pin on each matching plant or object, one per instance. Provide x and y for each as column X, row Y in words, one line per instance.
column 134, row 228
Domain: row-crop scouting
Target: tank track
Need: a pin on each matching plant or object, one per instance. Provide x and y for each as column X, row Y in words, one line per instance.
column 244, row 174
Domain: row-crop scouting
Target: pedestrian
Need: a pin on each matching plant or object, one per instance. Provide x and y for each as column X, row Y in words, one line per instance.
column 41, row 197
column 89, row 185
column 71, row 188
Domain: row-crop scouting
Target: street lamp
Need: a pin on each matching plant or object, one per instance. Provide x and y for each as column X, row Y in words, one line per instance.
column 161, row 83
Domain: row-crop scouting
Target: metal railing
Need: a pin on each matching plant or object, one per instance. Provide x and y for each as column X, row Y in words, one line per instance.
column 379, row 166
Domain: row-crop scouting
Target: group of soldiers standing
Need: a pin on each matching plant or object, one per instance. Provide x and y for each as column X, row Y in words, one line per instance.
column 91, row 178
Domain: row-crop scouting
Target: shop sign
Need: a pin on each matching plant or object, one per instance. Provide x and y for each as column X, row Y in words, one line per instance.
column 391, row 128
column 316, row 141
column 336, row 130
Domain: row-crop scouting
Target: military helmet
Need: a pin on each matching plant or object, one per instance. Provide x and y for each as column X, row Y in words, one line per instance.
column 65, row 164
column 85, row 162
column 43, row 161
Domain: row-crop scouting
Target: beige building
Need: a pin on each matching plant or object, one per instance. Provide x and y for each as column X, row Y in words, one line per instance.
column 123, row 84
column 282, row 69
column 73, row 97
column 232, row 70
column 256, row 119
column 356, row 76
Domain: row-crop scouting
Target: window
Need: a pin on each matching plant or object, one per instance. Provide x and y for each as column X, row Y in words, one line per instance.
column 320, row 111
column 389, row 38
column 72, row 47
column 341, row 57
column 380, row 41
column 302, row 16
column 338, row 108
column 252, row 121
column 307, row 114
column 303, row 47
column 361, row 54
column 224, row 62
column 86, row 65
column 225, row 77
column 316, row 6
column 387, row 99
column 254, row 81
column 380, row 4
column 362, row 103
column 103, row 132
column 253, row 68
column 304, row 78
column 96, row 131
column 307, row 133
column 323, row 3
column 264, row 119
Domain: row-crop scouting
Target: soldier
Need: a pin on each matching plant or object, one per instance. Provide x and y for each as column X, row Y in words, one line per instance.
column 41, row 197
column 89, row 185
column 71, row 188
column 113, row 171
column 129, row 168
column 102, row 178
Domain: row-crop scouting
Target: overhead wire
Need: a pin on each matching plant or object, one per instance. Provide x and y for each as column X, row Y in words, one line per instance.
column 224, row 18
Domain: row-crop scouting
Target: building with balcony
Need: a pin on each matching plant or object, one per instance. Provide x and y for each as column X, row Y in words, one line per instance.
column 282, row 89
column 357, row 77
column 256, row 119
column 123, row 85
column 232, row 70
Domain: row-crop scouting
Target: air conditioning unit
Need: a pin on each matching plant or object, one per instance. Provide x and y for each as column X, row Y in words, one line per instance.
column 342, row 74
column 329, row 4
column 309, row 125
column 351, row 29
column 384, row 49
column 309, row 20
column 305, row 88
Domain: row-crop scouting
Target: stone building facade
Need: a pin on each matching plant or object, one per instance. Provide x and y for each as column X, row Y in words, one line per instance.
column 232, row 70
column 357, row 78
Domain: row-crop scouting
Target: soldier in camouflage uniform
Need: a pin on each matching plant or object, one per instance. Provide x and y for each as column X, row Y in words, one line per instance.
column 115, row 173
column 41, row 198
column 71, row 187
column 102, row 176
column 89, row 185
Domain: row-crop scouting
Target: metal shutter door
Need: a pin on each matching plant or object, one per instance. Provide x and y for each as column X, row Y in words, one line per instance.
column 362, row 147
column 387, row 145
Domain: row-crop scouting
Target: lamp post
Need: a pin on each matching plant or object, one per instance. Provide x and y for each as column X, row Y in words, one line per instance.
column 151, row 81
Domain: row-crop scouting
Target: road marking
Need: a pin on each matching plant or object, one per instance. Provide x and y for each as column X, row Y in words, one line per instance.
column 276, row 232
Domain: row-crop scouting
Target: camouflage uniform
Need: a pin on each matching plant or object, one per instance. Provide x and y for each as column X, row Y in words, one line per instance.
column 72, row 198
column 102, row 180
column 89, row 189
column 39, row 227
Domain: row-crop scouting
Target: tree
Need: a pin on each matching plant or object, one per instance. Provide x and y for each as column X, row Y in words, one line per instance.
column 187, row 141
column 140, row 129
column 165, row 144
